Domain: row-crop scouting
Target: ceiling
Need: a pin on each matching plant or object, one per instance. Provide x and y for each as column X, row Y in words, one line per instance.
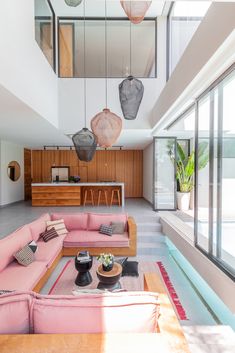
column 96, row 8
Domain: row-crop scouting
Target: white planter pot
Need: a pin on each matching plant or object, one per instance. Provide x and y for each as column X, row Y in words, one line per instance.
column 183, row 199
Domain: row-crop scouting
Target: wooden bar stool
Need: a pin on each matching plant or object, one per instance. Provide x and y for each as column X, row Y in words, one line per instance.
column 105, row 194
column 88, row 192
column 117, row 193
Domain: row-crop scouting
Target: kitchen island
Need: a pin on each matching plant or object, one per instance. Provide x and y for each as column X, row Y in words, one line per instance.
column 70, row 194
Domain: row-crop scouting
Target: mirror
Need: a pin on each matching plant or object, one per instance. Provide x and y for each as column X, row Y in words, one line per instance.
column 13, row 170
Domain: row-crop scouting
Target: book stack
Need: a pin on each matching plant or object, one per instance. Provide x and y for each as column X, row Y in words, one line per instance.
column 83, row 256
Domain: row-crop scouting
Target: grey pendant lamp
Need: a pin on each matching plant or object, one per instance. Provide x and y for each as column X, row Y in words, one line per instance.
column 73, row 3
column 131, row 91
column 85, row 142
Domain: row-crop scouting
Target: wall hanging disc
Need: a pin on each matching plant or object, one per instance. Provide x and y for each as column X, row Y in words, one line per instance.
column 131, row 92
column 107, row 127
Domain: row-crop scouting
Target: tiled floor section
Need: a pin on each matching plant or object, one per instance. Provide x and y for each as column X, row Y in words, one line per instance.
column 203, row 332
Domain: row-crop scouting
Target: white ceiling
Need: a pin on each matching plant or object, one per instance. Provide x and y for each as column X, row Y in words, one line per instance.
column 96, row 8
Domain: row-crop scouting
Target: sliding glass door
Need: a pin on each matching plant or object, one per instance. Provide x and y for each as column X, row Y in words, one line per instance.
column 164, row 188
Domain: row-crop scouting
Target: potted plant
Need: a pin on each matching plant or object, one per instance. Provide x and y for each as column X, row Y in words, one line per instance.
column 107, row 261
column 185, row 171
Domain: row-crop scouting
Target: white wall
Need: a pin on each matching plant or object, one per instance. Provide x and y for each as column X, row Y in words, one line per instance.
column 148, row 173
column 208, row 54
column 11, row 191
column 24, row 70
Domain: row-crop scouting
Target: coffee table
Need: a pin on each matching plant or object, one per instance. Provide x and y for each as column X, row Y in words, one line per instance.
column 109, row 279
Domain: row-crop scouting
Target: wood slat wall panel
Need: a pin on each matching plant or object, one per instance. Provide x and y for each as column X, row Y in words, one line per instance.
column 36, row 167
column 137, row 190
column 106, row 166
column 27, row 174
column 129, row 174
column 49, row 159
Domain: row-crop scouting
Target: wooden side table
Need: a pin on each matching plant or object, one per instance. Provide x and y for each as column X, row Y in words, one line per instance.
column 109, row 279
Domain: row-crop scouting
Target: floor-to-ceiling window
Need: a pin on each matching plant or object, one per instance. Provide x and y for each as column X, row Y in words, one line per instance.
column 215, row 184
column 183, row 21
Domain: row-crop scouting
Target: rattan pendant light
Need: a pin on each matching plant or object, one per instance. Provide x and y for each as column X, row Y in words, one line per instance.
column 135, row 10
column 131, row 92
column 85, row 142
column 106, row 125
column 73, row 3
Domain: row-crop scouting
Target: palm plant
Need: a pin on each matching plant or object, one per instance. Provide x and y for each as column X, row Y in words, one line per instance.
column 185, row 164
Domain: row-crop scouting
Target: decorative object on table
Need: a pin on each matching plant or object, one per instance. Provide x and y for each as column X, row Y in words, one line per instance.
column 131, row 92
column 73, row 3
column 74, row 179
column 106, row 229
column 106, row 125
column 107, row 261
column 130, row 268
column 83, row 263
column 109, row 280
column 135, row 10
column 33, row 246
column 185, row 170
column 85, row 142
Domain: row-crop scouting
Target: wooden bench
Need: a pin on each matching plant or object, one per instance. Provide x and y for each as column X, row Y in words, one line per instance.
column 169, row 337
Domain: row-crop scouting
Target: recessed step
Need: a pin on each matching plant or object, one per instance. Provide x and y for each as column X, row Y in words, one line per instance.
column 149, row 227
column 219, row 334
column 142, row 218
column 151, row 238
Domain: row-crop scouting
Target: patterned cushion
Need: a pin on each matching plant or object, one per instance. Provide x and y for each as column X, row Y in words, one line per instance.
column 49, row 234
column 33, row 246
column 25, row 256
column 118, row 227
column 58, row 225
column 106, row 229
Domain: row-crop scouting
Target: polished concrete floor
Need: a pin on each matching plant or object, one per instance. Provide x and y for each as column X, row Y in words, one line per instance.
column 151, row 246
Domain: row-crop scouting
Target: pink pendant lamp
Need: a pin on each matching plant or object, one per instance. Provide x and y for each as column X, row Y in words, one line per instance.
column 135, row 10
column 106, row 126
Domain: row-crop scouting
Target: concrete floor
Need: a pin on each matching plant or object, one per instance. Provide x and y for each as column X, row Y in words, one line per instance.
column 201, row 329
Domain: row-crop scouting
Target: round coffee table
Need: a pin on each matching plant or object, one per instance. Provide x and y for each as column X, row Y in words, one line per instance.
column 109, row 279
column 84, row 277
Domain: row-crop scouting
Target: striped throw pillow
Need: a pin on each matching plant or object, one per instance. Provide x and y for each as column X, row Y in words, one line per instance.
column 106, row 229
column 25, row 256
column 49, row 234
column 58, row 225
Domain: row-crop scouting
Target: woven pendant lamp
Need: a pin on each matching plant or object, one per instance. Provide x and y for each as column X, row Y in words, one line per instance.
column 85, row 142
column 106, row 125
column 131, row 92
column 135, row 10
column 73, row 3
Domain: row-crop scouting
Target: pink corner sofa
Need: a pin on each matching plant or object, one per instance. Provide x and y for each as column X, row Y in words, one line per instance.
column 83, row 233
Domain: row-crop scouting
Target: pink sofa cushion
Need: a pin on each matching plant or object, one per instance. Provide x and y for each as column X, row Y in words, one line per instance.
column 72, row 221
column 77, row 238
column 134, row 312
column 14, row 313
column 48, row 251
column 96, row 219
column 39, row 225
column 17, row 277
column 13, row 243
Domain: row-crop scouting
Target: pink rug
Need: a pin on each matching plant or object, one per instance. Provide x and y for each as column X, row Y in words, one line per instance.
column 64, row 283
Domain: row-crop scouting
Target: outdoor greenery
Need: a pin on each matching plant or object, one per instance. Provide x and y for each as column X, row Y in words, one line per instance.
column 185, row 165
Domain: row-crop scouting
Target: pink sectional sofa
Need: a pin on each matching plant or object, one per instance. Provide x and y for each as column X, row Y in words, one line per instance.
column 82, row 234
column 29, row 312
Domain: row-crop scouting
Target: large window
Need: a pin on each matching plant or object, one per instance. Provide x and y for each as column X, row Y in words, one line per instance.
column 130, row 48
column 45, row 29
column 215, row 184
column 183, row 21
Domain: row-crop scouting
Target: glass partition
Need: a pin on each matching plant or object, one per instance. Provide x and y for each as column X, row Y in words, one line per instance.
column 164, row 189
column 45, row 29
column 122, row 60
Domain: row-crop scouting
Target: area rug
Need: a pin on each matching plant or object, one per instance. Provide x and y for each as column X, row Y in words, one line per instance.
column 64, row 283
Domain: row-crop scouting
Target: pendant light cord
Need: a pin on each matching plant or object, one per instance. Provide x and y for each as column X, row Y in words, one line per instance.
column 130, row 45
column 106, row 69
column 84, row 56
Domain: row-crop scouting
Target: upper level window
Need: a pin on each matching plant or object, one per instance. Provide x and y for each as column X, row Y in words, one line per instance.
column 44, row 29
column 183, row 21
column 130, row 48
